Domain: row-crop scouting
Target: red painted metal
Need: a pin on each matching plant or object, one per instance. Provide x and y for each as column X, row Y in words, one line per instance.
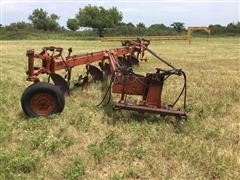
column 124, row 80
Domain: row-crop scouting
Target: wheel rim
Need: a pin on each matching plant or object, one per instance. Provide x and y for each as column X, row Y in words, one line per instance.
column 42, row 103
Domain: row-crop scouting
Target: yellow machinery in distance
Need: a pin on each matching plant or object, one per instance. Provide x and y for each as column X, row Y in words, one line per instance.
column 159, row 38
column 197, row 28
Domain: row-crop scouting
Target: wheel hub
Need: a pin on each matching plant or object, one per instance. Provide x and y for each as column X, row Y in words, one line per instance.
column 42, row 103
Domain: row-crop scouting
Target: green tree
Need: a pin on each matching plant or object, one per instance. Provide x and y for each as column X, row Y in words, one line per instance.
column 73, row 24
column 178, row 26
column 42, row 21
column 99, row 18
column 141, row 28
column 19, row 26
column 158, row 29
column 123, row 29
column 126, row 29
column 217, row 29
column 233, row 28
column 130, row 25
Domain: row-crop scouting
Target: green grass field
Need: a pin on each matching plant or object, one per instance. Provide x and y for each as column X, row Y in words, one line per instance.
column 89, row 142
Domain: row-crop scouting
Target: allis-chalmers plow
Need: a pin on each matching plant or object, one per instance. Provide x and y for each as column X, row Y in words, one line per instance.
column 44, row 98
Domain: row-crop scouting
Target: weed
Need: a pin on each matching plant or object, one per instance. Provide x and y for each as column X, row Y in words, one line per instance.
column 110, row 142
column 117, row 177
column 67, row 141
column 51, row 144
column 19, row 161
column 75, row 170
column 38, row 138
column 80, row 121
column 189, row 107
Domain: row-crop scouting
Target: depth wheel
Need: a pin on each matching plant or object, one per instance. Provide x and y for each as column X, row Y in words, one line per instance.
column 42, row 99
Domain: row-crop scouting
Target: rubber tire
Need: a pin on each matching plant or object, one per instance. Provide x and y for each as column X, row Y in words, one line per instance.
column 39, row 88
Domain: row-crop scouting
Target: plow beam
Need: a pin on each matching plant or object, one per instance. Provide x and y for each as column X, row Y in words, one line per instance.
column 142, row 109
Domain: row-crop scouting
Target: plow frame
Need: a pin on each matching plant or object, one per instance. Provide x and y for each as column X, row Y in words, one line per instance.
column 124, row 81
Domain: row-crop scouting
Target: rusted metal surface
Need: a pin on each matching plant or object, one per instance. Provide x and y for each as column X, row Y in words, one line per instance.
column 96, row 73
column 128, row 84
column 142, row 108
column 60, row 82
column 42, row 103
column 116, row 62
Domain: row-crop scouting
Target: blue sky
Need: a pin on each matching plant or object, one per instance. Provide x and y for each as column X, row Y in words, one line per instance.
column 191, row 12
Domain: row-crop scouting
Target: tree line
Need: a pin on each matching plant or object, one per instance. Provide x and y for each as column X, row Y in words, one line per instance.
column 105, row 22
